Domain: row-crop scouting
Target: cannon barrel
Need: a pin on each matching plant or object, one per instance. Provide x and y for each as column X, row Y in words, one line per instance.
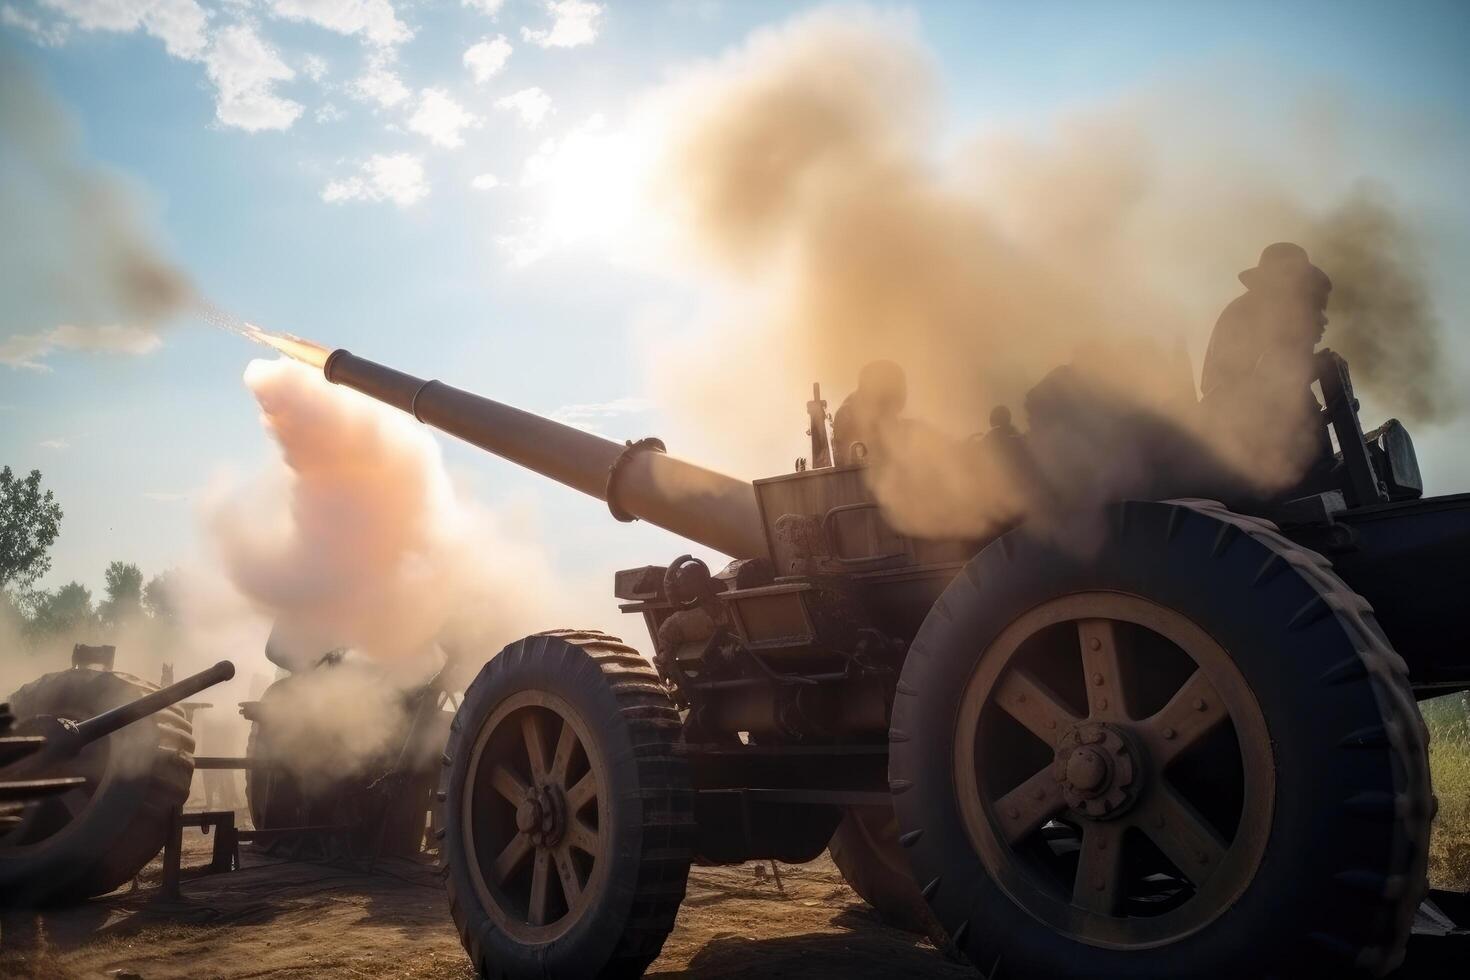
column 100, row 726
column 710, row 508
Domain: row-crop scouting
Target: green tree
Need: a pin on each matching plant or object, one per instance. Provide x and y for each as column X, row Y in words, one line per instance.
column 67, row 613
column 30, row 520
column 161, row 597
column 124, row 594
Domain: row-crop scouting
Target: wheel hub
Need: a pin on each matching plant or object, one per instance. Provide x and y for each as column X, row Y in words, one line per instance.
column 542, row 815
column 1097, row 769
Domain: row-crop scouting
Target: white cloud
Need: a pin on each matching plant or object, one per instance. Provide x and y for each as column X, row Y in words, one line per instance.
column 50, row 34
column 488, row 7
column 56, row 444
column 486, row 59
column 379, row 84
column 442, row 119
column 573, row 23
column 314, row 67
column 30, row 350
column 179, row 24
column 396, row 177
column 582, row 180
column 485, row 182
column 531, row 104
column 586, row 415
column 375, row 20
column 328, row 112
column 244, row 70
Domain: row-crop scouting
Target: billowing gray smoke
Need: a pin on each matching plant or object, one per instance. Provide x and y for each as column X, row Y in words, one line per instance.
column 803, row 168
column 1383, row 316
column 78, row 267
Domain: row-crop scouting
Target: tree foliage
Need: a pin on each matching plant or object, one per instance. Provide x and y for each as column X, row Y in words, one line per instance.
column 67, row 612
column 124, row 594
column 161, row 597
column 30, row 521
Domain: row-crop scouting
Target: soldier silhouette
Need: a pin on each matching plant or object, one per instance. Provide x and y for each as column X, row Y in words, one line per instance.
column 881, row 395
column 1280, row 318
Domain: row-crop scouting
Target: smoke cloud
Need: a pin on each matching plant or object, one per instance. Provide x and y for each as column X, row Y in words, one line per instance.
column 360, row 539
column 78, row 266
column 803, row 169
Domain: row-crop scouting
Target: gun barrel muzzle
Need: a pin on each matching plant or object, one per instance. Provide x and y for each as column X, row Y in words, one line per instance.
column 100, row 726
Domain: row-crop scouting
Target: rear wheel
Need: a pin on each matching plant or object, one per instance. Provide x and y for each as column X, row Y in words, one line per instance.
column 1190, row 752
column 567, row 817
column 91, row 839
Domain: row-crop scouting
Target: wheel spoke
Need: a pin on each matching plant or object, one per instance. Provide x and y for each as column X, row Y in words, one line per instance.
column 566, row 744
column 571, row 887
column 511, row 857
column 1033, row 705
column 1099, row 884
column 581, row 794
column 1104, row 674
column 508, row 784
column 1191, row 714
column 1181, row 833
column 582, row 837
column 535, row 745
column 540, row 876
column 1023, row 810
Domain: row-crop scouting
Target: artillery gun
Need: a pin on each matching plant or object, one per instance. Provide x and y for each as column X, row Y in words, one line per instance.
column 1192, row 749
column 362, row 807
column 101, row 759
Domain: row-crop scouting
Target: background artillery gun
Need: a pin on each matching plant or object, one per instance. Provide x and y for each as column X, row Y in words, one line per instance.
column 1192, row 749
column 366, row 807
column 102, row 761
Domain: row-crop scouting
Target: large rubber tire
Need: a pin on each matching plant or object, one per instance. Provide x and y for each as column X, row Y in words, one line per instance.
column 1345, row 853
column 627, row 710
column 146, row 774
column 866, row 850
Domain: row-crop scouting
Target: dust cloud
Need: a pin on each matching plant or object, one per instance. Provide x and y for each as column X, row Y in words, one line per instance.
column 79, row 266
column 802, row 169
column 358, row 539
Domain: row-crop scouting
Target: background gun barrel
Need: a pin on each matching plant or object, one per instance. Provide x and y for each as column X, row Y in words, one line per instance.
column 100, row 726
column 710, row 508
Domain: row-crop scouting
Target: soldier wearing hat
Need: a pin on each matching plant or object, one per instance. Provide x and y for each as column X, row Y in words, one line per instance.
column 1281, row 317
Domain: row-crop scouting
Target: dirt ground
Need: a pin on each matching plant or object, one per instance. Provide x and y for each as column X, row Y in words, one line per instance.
column 295, row 919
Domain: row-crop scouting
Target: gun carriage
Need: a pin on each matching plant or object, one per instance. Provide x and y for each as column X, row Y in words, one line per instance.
column 1191, row 748
column 101, row 761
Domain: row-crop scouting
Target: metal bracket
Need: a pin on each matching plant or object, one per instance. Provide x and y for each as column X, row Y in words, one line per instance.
column 630, row 448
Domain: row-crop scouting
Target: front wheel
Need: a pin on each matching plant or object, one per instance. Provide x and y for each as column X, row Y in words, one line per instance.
column 1188, row 752
column 567, row 815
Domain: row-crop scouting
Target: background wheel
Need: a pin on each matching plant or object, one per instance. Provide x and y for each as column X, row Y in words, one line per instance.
column 1189, row 752
column 380, row 818
column 865, row 849
column 90, row 840
column 567, row 817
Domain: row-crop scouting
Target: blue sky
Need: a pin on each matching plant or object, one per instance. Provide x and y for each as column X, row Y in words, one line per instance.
column 261, row 186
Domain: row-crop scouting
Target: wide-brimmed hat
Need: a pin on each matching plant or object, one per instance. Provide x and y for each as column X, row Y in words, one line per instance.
column 1286, row 264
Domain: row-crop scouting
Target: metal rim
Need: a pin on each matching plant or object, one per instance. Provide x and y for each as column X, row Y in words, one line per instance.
column 535, row 817
column 1114, row 771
